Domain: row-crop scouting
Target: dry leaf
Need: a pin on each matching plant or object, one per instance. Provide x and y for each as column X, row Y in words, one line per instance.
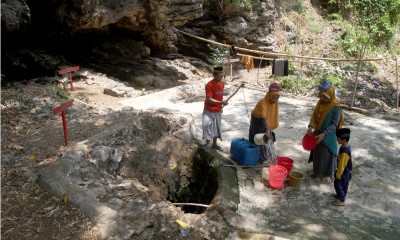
column 181, row 223
column 32, row 157
column 173, row 166
column 65, row 198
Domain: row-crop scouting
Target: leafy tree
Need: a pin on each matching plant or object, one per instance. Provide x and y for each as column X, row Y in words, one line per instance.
column 377, row 18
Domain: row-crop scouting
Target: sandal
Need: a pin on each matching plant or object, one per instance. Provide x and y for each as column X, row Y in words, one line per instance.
column 338, row 203
column 217, row 147
column 334, row 195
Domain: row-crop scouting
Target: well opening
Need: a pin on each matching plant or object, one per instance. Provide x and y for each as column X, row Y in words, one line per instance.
column 202, row 187
column 161, row 160
column 131, row 175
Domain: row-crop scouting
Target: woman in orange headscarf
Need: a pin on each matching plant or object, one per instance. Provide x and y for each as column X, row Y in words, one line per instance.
column 264, row 119
column 326, row 118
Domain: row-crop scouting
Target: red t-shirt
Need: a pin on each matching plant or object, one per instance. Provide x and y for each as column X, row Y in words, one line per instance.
column 215, row 91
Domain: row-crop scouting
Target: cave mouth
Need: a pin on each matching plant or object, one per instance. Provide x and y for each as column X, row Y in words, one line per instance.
column 202, row 187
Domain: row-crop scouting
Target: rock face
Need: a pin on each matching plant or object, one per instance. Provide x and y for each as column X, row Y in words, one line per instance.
column 247, row 27
column 128, row 39
column 152, row 19
column 15, row 15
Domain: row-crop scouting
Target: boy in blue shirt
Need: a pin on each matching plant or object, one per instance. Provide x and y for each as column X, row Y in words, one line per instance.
column 345, row 165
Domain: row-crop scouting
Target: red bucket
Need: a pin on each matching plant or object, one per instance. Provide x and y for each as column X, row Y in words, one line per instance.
column 309, row 142
column 285, row 162
column 277, row 175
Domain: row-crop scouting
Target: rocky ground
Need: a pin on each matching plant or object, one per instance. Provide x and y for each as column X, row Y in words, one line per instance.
column 32, row 138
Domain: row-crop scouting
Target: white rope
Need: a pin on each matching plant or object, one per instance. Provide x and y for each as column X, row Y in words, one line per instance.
column 192, row 204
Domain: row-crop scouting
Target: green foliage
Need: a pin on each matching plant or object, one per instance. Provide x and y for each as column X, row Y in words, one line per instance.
column 219, row 55
column 337, row 81
column 60, row 92
column 246, row 4
column 295, row 84
column 369, row 66
column 11, row 96
column 296, row 5
column 292, row 68
column 377, row 19
column 334, row 17
column 299, row 6
column 353, row 39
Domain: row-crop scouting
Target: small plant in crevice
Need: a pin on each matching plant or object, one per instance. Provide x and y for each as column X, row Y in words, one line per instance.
column 143, row 92
column 60, row 92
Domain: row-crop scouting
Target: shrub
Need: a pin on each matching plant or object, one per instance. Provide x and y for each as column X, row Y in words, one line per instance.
column 336, row 81
column 219, row 55
column 294, row 84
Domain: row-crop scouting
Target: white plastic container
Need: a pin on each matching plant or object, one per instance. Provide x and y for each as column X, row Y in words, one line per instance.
column 265, row 174
column 260, row 139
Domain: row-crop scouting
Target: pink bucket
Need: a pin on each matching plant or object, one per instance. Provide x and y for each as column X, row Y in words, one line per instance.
column 277, row 175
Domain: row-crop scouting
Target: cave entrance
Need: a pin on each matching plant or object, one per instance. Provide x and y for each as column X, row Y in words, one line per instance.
column 202, row 187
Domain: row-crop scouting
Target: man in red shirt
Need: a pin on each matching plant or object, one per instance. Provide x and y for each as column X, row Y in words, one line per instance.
column 213, row 108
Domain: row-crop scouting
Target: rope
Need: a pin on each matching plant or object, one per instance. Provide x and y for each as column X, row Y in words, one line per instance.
column 191, row 204
column 244, row 100
column 275, row 55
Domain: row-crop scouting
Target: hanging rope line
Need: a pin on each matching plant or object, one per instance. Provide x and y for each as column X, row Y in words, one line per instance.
column 276, row 55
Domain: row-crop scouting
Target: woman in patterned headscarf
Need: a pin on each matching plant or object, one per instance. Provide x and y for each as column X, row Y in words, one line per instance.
column 326, row 118
column 264, row 119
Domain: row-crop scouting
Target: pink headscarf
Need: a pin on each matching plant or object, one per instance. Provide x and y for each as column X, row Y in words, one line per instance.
column 274, row 87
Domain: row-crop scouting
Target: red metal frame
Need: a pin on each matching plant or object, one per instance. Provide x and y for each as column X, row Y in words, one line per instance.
column 61, row 109
column 69, row 70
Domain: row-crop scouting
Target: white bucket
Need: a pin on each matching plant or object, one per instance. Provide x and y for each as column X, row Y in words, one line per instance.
column 260, row 139
column 265, row 174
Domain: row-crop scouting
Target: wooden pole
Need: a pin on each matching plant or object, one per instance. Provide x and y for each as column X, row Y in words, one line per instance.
column 397, row 82
column 261, row 58
column 275, row 55
column 358, row 70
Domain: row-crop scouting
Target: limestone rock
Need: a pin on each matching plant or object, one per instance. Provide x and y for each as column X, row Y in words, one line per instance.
column 244, row 27
column 15, row 14
column 152, row 18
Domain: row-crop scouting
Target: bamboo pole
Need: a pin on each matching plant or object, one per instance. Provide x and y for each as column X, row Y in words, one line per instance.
column 261, row 58
column 275, row 55
column 397, row 83
column 358, row 70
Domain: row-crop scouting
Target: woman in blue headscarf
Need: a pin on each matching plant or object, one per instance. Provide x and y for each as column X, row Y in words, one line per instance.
column 326, row 118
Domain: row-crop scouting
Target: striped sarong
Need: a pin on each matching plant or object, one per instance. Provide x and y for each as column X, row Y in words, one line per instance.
column 211, row 125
